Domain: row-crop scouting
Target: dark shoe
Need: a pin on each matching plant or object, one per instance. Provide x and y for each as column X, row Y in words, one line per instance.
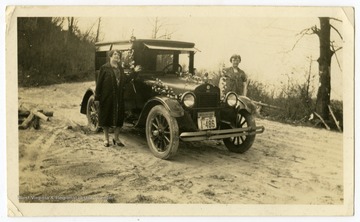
column 106, row 143
column 118, row 143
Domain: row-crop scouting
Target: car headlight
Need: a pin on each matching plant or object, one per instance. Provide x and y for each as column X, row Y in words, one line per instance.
column 231, row 99
column 188, row 99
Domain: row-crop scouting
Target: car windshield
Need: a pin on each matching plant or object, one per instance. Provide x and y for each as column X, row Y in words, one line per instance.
column 170, row 62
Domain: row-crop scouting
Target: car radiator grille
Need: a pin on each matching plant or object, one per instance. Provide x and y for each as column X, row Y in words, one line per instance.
column 204, row 100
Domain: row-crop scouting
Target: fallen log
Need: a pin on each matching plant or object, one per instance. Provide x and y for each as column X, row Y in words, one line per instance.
column 27, row 121
column 25, row 113
column 21, row 120
column 322, row 120
column 32, row 118
column 48, row 113
column 334, row 118
column 36, row 123
column 40, row 115
column 266, row 105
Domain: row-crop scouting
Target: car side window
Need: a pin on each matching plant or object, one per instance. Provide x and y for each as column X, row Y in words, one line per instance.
column 162, row 60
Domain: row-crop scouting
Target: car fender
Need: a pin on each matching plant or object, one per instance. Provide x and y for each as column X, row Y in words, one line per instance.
column 171, row 105
column 247, row 104
column 89, row 92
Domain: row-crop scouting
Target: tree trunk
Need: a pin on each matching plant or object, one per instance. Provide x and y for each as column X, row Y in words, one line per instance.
column 156, row 28
column 323, row 95
column 71, row 25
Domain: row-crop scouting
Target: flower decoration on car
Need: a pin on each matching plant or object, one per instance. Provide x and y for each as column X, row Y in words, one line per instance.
column 222, row 82
column 222, row 86
column 188, row 77
column 131, row 53
column 127, row 60
column 163, row 89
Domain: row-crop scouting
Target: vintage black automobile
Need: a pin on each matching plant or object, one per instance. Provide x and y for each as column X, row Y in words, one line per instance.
column 171, row 103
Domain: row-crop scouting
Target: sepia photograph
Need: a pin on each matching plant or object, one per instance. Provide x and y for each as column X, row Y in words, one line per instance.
column 180, row 110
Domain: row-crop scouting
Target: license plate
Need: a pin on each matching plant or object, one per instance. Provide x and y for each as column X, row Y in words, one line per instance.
column 206, row 120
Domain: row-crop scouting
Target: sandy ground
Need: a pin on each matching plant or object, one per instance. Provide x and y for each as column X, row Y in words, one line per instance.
column 63, row 162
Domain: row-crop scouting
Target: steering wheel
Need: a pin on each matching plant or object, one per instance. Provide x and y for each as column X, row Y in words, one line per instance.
column 169, row 67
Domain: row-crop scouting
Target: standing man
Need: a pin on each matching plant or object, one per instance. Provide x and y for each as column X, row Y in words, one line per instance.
column 233, row 78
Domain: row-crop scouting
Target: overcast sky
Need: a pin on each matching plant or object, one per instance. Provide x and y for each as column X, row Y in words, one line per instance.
column 265, row 43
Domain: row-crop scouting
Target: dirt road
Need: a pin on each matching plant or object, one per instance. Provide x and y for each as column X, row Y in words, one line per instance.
column 63, row 162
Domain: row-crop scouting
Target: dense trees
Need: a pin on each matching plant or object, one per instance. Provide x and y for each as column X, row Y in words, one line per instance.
column 48, row 54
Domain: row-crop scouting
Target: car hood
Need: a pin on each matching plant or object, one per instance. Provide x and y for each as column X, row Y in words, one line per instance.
column 178, row 84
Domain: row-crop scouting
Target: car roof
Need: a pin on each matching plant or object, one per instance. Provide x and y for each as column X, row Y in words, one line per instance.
column 125, row 44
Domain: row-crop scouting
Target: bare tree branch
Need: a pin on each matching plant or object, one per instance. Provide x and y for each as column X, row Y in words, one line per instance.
column 315, row 30
column 335, row 19
column 87, row 32
column 158, row 25
column 59, row 21
column 167, row 35
column 308, row 31
column 334, row 51
column 337, row 49
column 72, row 25
column 337, row 31
column 98, row 30
column 308, row 79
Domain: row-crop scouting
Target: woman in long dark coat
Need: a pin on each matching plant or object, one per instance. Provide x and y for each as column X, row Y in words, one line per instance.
column 109, row 96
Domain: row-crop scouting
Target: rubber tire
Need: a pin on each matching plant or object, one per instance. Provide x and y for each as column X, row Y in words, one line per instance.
column 248, row 141
column 93, row 125
column 173, row 143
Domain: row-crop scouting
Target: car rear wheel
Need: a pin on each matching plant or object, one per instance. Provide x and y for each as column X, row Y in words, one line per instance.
column 162, row 132
column 241, row 144
column 92, row 115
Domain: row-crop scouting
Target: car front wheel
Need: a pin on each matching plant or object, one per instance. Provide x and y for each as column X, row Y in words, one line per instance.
column 162, row 132
column 241, row 144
